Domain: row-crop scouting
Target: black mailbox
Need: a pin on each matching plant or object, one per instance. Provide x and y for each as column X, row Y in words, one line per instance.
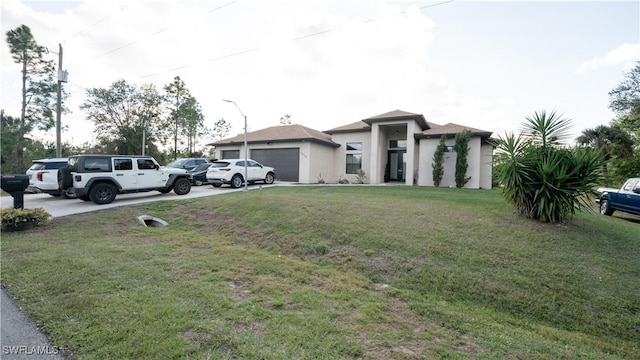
column 15, row 185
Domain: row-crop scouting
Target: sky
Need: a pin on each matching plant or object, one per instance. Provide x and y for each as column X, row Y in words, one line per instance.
column 482, row 64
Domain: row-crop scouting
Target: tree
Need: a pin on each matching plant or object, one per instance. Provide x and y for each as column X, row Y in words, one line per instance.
column 624, row 100
column 462, row 149
column 542, row 177
column 221, row 129
column 38, row 86
column 286, row 120
column 121, row 113
column 611, row 141
column 193, row 123
column 177, row 95
column 438, row 161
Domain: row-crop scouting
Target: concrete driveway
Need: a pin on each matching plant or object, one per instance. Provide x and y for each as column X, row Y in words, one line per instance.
column 57, row 206
column 20, row 338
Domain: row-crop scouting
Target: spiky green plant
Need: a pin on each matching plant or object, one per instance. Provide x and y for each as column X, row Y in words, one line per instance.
column 542, row 177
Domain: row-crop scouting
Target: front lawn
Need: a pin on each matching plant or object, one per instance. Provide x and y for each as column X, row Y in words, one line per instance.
column 329, row 273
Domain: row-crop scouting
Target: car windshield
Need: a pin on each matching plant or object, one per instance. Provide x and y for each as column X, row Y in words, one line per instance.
column 177, row 163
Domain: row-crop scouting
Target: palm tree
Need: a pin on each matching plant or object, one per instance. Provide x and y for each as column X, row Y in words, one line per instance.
column 611, row 141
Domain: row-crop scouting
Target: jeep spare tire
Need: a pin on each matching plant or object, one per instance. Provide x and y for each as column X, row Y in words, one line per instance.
column 65, row 179
column 182, row 186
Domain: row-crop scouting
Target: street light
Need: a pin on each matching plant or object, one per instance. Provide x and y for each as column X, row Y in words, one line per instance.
column 245, row 143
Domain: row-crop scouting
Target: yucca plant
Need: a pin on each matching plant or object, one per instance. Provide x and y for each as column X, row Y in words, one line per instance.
column 542, row 177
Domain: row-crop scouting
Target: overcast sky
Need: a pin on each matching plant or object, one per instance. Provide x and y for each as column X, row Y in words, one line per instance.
column 484, row 64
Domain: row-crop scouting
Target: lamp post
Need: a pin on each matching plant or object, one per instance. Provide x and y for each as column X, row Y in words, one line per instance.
column 245, row 143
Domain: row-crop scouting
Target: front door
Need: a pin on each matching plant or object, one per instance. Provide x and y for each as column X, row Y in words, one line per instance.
column 397, row 165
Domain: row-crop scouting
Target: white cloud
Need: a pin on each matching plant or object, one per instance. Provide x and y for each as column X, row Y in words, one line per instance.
column 624, row 55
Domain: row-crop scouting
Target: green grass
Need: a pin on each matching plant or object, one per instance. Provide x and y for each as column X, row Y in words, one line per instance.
column 331, row 272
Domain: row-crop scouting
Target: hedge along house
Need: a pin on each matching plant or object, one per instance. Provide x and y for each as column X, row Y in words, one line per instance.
column 397, row 147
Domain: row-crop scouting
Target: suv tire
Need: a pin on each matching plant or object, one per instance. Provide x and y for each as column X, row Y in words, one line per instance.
column 236, row 181
column 102, row 193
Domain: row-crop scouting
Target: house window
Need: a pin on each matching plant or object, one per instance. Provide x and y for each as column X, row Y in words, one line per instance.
column 354, row 157
column 354, row 163
column 397, row 144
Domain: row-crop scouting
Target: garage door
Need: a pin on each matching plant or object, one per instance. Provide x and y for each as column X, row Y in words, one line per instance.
column 230, row 154
column 285, row 161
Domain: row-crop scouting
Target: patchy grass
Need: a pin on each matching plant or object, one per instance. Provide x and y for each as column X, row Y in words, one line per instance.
column 331, row 272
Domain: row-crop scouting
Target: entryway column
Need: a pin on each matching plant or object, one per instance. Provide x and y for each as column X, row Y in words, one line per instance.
column 374, row 175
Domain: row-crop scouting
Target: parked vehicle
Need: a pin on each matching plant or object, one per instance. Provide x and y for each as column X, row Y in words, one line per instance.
column 100, row 177
column 188, row 163
column 199, row 174
column 43, row 177
column 231, row 171
column 626, row 199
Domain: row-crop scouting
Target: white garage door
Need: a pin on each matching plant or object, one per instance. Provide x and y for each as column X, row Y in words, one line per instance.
column 285, row 161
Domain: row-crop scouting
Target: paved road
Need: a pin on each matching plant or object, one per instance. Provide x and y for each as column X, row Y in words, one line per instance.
column 20, row 338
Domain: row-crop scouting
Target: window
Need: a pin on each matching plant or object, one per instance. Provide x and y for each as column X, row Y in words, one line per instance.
column 354, row 163
column 397, row 144
column 122, row 164
column 97, row 164
column 354, row 157
column 146, row 164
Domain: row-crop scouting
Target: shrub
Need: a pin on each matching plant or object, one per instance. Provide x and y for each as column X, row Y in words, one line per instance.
column 11, row 216
column 462, row 149
column 361, row 177
column 543, row 179
column 438, row 161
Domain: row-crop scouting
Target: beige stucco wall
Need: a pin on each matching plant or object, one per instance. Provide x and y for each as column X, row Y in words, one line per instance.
column 479, row 164
column 340, row 155
column 321, row 164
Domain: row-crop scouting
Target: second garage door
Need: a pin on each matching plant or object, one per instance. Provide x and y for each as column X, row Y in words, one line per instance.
column 285, row 161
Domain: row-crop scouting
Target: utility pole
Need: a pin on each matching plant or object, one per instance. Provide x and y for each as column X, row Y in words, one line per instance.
column 61, row 78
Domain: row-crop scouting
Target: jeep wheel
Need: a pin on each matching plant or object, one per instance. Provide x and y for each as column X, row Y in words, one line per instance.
column 236, row 181
column 182, row 186
column 102, row 193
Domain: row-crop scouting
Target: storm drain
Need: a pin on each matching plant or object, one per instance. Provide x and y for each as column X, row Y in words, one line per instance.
column 147, row 220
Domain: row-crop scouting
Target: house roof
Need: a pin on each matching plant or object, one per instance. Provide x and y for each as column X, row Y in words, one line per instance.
column 282, row 133
column 353, row 127
column 398, row 115
column 365, row 125
column 437, row 131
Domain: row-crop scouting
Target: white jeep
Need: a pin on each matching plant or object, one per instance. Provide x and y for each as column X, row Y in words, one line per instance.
column 99, row 178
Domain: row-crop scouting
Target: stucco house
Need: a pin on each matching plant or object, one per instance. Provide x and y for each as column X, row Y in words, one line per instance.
column 397, row 146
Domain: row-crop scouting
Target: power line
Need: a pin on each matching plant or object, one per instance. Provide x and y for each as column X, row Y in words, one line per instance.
column 322, row 32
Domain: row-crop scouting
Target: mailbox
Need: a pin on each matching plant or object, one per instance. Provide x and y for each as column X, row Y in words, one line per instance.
column 15, row 185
